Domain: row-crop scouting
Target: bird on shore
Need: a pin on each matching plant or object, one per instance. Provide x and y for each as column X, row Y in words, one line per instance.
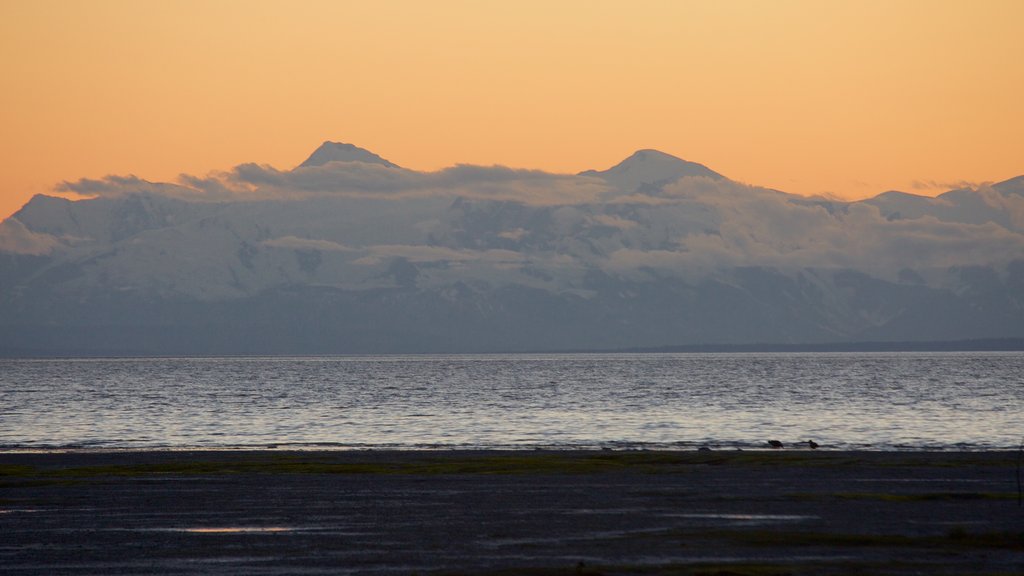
column 812, row 444
column 775, row 444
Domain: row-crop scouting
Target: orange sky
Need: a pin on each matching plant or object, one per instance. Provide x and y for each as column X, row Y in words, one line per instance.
column 848, row 98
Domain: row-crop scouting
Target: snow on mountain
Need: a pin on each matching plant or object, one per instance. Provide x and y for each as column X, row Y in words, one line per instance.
column 341, row 152
column 475, row 258
column 17, row 239
column 650, row 168
column 105, row 219
column 1001, row 204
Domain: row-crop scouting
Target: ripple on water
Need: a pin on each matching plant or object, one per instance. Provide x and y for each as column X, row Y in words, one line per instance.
column 883, row 401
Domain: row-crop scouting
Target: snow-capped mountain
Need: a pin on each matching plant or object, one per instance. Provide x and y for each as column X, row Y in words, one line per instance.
column 350, row 253
column 650, row 169
column 342, row 152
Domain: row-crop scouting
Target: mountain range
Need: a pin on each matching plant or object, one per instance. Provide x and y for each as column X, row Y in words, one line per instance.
column 351, row 253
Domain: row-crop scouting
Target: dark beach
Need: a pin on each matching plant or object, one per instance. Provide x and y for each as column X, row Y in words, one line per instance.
column 489, row 512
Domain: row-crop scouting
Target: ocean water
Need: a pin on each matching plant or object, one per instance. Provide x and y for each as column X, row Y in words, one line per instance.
column 879, row 401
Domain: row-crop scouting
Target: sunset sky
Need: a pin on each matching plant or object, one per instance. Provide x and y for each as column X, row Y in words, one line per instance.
column 811, row 97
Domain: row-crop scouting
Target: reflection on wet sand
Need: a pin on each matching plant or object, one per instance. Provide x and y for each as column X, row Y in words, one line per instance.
column 236, row 529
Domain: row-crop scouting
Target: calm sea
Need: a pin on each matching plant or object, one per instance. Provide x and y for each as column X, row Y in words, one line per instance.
column 883, row 401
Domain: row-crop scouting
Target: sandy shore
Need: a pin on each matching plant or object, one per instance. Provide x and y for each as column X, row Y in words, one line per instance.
column 388, row 512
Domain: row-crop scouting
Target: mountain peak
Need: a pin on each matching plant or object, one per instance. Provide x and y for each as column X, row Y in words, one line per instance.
column 649, row 167
column 647, row 154
column 649, row 158
column 342, row 152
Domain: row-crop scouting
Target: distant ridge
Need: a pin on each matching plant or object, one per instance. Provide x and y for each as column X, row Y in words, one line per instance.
column 978, row 345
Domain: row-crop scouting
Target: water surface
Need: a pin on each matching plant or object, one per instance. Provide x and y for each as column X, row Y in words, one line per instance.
column 880, row 401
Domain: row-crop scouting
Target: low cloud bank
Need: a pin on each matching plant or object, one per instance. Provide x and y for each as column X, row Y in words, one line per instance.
column 494, row 215
column 15, row 238
column 255, row 182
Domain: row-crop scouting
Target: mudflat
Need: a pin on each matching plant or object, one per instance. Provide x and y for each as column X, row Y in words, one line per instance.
column 496, row 512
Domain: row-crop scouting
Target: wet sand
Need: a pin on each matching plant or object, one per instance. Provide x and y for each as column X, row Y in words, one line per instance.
column 487, row 512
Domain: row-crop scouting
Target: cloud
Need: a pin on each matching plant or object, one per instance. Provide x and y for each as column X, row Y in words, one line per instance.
column 295, row 243
column 556, row 222
column 258, row 182
column 360, row 179
column 114, row 186
column 615, row 221
column 1010, row 204
column 517, row 234
column 683, row 262
column 419, row 253
column 944, row 184
column 928, row 242
column 330, row 177
column 528, row 186
column 211, row 188
column 17, row 239
column 700, row 226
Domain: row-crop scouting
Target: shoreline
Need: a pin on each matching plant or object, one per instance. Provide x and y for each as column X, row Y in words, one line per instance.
column 675, row 448
column 752, row 512
column 411, row 452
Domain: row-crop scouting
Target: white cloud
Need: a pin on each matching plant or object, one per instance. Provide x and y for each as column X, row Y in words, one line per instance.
column 747, row 226
column 295, row 243
column 517, row 234
column 695, row 223
column 17, row 239
column 1010, row 204
column 614, row 221
column 254, row 181
column 114, row 186
column 417, row 253
column 943, row 185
